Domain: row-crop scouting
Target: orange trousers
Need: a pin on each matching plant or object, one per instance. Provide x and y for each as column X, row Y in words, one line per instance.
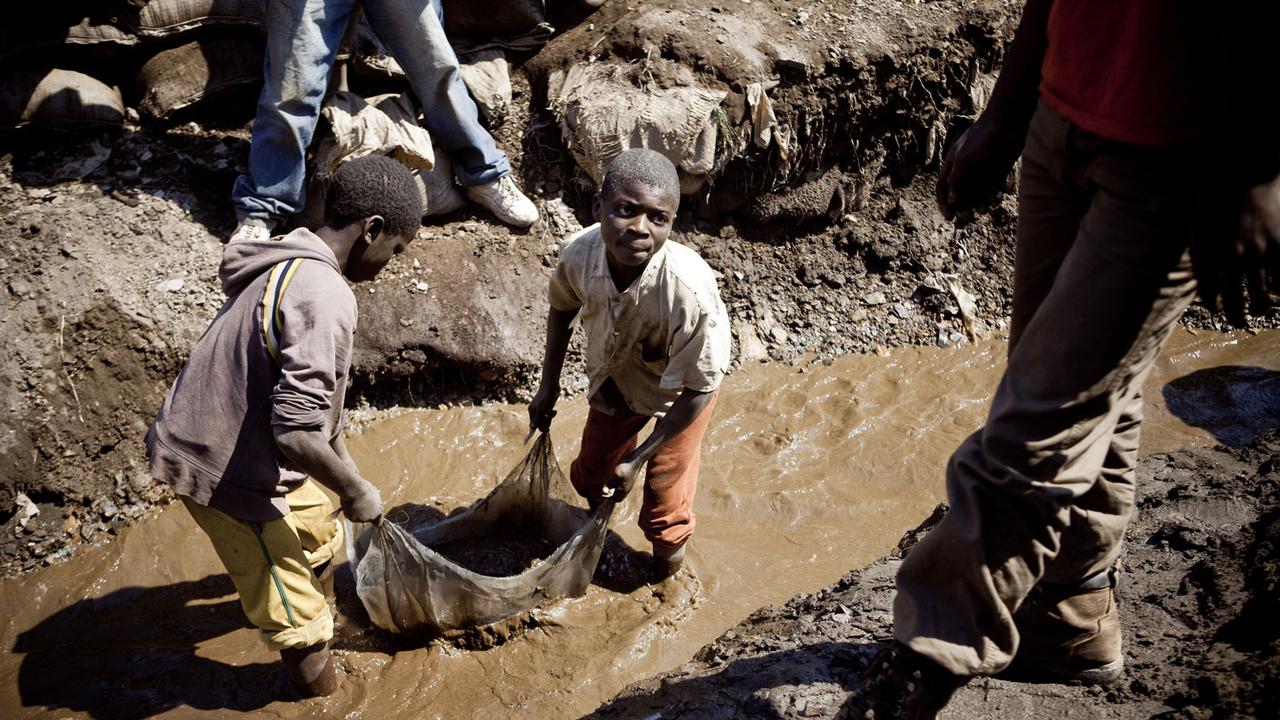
column 671, row 476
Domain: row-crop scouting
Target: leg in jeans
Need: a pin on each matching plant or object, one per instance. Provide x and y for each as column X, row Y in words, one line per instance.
column 1062, row 429
column 413, row 32
column 302, row 41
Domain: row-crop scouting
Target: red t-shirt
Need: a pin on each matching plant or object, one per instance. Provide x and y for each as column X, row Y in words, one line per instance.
column 1135, row 71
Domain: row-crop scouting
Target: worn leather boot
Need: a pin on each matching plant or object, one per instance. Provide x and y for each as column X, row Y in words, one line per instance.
column 667, row 561
column 1070, row 633
column 311, row 670
column 901, row 684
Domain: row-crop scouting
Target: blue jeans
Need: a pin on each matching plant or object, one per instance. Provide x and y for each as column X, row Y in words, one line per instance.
column 302, row 41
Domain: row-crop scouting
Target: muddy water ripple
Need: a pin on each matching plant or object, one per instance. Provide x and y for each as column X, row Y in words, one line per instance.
column 808, row 471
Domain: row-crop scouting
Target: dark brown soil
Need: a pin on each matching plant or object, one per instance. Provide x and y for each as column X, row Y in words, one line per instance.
column 1197, row 595
column 503, row 552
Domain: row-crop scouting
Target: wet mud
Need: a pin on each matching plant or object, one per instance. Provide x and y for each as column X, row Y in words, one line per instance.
column 809, row 471
column 507, row 551
column 1196, row 596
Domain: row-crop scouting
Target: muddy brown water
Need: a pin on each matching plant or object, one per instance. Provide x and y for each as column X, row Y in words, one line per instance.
column 808, row 471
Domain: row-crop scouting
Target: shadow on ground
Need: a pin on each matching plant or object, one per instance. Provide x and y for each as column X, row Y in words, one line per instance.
column 133, row 653
column 774, row 685
column 1235, row 403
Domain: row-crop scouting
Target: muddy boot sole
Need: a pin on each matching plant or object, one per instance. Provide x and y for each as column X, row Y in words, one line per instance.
column 1032, row 671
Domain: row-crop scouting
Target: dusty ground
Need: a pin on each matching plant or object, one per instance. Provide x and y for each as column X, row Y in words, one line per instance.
column 1197, row 598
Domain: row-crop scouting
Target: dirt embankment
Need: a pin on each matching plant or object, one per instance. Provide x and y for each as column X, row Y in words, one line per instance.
column 110, row 241
column 1197, row 596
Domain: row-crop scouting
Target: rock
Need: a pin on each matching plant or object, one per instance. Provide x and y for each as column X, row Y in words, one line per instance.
column 19, row 287
column 109, row 510
column 873, row 299
column 902, row 311
column 171, row 285
column 81, row 167
column 26, row 510
column 750, row 347
column 469, row 312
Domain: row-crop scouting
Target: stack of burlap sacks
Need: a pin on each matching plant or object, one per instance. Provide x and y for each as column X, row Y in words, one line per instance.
column 97, row 62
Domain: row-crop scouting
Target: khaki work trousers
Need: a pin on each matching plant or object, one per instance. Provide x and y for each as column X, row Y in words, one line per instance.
column 1044, row 491
column 671, row 476
column 271, row 564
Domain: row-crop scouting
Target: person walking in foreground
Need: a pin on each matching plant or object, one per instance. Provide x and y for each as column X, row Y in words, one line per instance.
column 258, row 409
column 1140, row 139
column 657, row 346
column 303, row 37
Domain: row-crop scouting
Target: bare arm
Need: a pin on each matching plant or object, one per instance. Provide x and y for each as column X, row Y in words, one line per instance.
column 683, row 412
column 339, row 445
column 311, row 452
column 559, row 331
column 976, row 166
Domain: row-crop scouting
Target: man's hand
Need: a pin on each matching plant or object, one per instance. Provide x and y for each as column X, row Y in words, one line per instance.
column 542, row 408
column 1242, row 253
column 625, row 475
column 363, row 503
column 975, row 169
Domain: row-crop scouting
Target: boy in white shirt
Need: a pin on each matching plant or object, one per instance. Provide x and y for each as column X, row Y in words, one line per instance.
column 658, row 345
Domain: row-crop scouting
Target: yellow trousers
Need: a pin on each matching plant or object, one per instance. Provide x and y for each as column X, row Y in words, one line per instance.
column 271, row 564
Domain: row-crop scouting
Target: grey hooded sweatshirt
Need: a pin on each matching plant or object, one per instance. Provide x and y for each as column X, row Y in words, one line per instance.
column 213, row 438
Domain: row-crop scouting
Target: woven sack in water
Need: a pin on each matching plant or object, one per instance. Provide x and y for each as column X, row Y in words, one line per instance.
column 406, row 586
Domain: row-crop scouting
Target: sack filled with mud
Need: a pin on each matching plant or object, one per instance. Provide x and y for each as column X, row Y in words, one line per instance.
column 523, row 544
column 52, row 31
column 58, row 98
column 607, row 107
column 509, row 24
column 383, row 125
column 199, row 73
column 166, row 18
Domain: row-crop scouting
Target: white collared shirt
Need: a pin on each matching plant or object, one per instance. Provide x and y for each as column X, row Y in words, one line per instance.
column 668, row 331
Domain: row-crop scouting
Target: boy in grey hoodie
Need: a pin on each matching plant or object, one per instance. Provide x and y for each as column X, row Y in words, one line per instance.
column 258, row 409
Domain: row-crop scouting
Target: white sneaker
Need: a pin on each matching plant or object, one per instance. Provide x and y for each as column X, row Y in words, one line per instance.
column 505, row 200
column 251, row 230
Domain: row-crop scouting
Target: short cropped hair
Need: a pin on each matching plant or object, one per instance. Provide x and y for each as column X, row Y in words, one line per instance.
column 643, row 167
column 374, row 185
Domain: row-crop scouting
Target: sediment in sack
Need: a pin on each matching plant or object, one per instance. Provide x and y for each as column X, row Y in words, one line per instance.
column 503, row 552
